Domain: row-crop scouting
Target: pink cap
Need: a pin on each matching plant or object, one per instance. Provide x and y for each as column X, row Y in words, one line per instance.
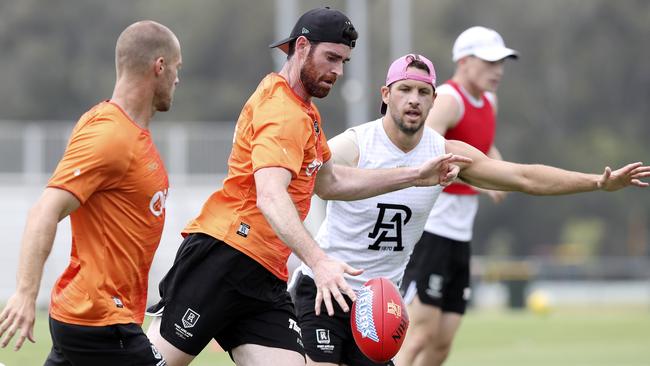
column 398, row 70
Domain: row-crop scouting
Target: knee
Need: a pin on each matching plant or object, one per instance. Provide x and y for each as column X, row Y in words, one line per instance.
column 420, row 337
column 442, row 348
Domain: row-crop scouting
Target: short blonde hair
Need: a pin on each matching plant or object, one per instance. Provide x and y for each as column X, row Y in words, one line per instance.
column 141, row 43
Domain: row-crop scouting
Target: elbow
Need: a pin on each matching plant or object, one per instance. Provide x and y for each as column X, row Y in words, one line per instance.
column 263, row 202
column 324, row 193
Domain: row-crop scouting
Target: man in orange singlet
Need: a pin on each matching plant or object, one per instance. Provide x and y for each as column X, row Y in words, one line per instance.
column 228, row 281
column 113, row 184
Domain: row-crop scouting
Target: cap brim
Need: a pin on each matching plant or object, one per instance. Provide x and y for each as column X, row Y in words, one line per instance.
column 282, row 45
column 496, row 53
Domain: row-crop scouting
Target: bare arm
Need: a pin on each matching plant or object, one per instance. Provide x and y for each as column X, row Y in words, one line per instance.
column 338, row 182
column 541, row 179
column 278, row 209
column 53, row 205
column 444, row 114
column 495, row 196
column 345, row 148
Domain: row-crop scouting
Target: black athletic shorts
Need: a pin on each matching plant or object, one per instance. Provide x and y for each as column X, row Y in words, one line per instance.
column 327, row 338
column 439, row 273
column 216, row 291
column 118, row 344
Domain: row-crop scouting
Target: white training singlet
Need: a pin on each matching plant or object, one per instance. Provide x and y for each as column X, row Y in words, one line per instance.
column 378, row 234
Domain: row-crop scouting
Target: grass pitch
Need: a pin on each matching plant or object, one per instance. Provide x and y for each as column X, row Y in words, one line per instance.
column 590, row 336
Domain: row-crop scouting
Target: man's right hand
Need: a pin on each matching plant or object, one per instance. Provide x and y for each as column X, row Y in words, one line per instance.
column 328, row 275
column 18, row 315
column 442, row 170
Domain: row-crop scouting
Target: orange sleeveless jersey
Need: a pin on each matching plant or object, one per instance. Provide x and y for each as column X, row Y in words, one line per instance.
column 113, row 168
column 276, row 128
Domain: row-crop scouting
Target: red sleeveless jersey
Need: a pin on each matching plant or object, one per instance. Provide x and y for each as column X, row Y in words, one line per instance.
column 476, row 127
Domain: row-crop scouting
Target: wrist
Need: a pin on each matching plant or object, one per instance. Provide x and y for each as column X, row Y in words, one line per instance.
column 316, row 258
column 414, row 177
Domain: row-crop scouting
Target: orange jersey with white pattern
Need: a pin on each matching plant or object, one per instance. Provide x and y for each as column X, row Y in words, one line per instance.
column 276, row 128
column 113, row 168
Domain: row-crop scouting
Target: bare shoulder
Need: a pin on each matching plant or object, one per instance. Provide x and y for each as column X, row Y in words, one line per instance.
column 345, row 148
column 444, row 114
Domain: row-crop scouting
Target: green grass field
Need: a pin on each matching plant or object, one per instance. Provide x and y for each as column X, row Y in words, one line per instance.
column 593, row 336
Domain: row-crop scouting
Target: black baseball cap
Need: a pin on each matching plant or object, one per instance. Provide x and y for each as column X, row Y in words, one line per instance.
column 321, row 25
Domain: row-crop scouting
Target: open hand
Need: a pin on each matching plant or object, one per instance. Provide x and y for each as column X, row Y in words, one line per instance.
column 330, row 283
column 623, row 177
column 18, row 315
column 441, row 170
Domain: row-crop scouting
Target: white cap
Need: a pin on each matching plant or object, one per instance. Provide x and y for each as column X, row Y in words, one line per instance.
column 483, row 43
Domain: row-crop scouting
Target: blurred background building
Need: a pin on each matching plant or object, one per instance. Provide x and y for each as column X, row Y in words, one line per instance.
column 578, row 98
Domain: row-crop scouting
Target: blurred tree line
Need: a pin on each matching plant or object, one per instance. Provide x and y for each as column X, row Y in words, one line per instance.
column 579, row 97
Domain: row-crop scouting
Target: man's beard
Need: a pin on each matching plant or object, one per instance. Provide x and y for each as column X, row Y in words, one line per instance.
column 309, row 78
column 406, row 129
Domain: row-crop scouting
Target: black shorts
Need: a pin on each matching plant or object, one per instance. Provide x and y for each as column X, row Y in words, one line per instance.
column 439, row 273
column 327, row 338
column 216, row 291
column 118, row 344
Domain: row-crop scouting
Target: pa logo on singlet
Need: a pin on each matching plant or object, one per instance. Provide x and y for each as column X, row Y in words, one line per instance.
column 388, row 227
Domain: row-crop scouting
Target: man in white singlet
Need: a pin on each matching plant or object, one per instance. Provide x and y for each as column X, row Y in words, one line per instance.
column 436, row 283
column 379, row 233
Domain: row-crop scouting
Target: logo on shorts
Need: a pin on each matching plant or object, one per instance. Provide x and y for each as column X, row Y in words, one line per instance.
column 158, row 356
column 467, row 293
column 243, row 229
column 323, row 340
column 294, row 326
column 190, row 318
column 323, row 336
column 435, row 286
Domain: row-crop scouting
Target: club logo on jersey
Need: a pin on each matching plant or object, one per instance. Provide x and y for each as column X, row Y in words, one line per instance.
column 316, row 128
column 118, row 302
column 363, row 316
column 157, row 203
column 313, row 167
column 190, row 318
column 393, row 308
column 389, row 231
column 243, row 230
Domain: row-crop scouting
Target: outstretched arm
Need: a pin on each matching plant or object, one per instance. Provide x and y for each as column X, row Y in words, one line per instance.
column 495, row 196
column 19, row 314
column 337, row 182
column 541, row 179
